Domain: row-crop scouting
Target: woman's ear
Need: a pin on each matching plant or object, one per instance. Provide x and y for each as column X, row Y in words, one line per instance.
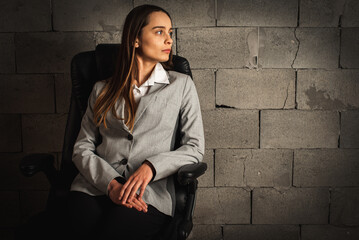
column 137, row 43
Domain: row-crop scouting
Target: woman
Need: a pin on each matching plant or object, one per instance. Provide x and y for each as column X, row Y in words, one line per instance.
column 125, row 149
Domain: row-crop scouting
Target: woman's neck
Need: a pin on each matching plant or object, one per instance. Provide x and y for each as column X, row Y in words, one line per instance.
column 145, row 69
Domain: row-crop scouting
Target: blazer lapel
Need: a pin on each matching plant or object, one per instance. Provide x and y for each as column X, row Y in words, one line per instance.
column 147, row 99
column 160, row 78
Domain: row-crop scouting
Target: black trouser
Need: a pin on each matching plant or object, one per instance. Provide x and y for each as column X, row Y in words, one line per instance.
column 97, row 217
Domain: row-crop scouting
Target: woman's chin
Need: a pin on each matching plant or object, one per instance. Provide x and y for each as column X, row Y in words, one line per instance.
column 165, row 59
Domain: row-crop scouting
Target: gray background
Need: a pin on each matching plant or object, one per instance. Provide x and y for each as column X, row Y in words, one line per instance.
column 282, row 133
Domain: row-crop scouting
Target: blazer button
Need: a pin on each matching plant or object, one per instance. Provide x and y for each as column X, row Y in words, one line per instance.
column 130, row 137
column 124, row 161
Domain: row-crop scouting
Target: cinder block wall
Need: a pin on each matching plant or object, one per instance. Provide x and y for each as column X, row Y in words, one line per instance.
column 278, row 82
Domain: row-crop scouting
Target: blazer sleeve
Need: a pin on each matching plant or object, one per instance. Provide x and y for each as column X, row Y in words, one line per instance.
column 93, row 168
column 192, row 144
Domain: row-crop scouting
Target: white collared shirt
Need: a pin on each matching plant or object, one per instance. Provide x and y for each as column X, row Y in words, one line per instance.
column 159, row 75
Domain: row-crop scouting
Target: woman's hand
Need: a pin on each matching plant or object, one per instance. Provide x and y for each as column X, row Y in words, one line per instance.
column 114, row 194
column 138, row 179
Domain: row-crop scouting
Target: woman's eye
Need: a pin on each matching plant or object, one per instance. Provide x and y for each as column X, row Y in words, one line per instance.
column 160, row 31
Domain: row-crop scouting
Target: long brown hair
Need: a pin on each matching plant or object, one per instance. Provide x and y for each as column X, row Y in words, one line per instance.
column 119, row 85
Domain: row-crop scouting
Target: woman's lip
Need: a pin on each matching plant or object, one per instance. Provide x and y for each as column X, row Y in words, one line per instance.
column 167, row 51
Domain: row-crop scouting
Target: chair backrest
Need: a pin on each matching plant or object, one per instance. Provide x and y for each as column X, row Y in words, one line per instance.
column 86, row 69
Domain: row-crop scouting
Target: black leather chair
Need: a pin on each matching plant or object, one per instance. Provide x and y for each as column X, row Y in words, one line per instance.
column 86, row 69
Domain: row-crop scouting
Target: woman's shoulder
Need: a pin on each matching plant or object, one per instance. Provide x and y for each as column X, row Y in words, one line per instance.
column 178, row 78
column 177, row 74
column 99, row 85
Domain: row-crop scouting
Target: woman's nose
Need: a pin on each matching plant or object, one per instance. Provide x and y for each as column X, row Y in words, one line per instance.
column 169, row 39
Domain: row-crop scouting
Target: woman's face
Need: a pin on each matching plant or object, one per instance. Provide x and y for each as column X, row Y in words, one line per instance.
column 155, row 37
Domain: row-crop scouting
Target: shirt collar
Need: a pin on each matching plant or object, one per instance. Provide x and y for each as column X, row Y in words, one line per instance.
column 158, row 75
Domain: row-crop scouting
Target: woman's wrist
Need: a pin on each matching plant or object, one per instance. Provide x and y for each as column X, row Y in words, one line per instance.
column 111, row 185
column 148, row 163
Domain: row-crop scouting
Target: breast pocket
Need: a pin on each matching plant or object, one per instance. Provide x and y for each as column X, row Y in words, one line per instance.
column 163, row 112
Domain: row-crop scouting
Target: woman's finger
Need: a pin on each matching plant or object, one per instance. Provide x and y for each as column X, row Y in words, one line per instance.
column 134, row 190
column 131, row 205
column 124, row 187
column 128, row 191
column 143, row 187
column 142, row 202
column 139, row 204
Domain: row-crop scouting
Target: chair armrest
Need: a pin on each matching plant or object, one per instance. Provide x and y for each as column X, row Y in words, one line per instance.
column 36, row 162
column 190, row 172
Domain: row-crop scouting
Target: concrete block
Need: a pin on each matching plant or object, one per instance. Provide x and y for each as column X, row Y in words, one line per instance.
column 279, row 47
column 10, row 128
column 350, row 17
column 290, row 206
column 280, row 13
column 7, row 49
column 247, row 89
column 25, row 16
column 43, row 133
column 318, row 48
column 253, row 168
column 205, row 85
column 199, row 13
column 299, row 129
column 11, row 177
column 326, row 167
column 344, row 209
column 257, row 231
column 328, row 232
column 9, row 208
column 320, row 13
column 206, row 232
column 228, row 128
column 63, row 86
column 27, row 93
column 222, row 206
column 207, row 179
column 50, row 52
column 349, row 129
column 32, row 202
column 90, row 15
column 349, row 51
column 108, row 37
column 328, row 89
column 230, row 166
column 269, row 168
column 214, row 47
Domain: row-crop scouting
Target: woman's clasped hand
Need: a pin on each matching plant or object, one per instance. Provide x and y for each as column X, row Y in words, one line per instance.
column 126, row 194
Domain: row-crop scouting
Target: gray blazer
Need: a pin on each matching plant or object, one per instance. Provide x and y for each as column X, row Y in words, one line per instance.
column 102, row 154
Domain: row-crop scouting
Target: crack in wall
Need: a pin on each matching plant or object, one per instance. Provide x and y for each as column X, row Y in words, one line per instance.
column 244, row 179
column 223, row 106
column 244, row 171
column 286, row 98
column 296, row 53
